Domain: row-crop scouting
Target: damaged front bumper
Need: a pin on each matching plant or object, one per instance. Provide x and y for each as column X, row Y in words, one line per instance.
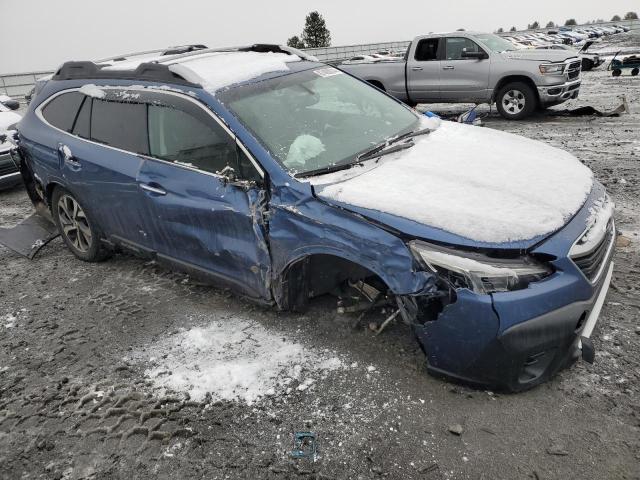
column 518, row 339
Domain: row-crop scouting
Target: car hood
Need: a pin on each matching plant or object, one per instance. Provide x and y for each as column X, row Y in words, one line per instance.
column 8, row 119
column 467, row 186
column 540, row 55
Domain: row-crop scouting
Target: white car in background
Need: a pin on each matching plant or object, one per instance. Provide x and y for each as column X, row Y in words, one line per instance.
column 9, row 171
column 363, row 59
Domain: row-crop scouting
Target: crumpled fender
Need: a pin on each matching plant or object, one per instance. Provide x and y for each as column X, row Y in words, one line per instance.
column 301, row 225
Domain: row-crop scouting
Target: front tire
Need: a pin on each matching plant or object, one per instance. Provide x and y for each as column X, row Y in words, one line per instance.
column 78, row 231
column 516, row 101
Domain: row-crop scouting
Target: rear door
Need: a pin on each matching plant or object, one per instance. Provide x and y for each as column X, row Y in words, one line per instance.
column 423, row 71
column 97, row 148
column 464, row 79
column 204, row 195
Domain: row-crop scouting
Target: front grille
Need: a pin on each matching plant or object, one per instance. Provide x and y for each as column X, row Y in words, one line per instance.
column 6, row 165
column 591, row 262
column 573, row 71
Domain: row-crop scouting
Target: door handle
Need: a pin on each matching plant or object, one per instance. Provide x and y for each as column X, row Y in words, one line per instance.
column 67, row 155
column 448, row 67
column 416, row 69
column 153, row 189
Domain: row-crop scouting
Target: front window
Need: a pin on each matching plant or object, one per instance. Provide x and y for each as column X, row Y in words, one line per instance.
column 318, row 118
column 494, row 42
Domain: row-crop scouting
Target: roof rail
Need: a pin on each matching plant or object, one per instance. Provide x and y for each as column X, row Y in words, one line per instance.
column 174, row 50
column 151, row 72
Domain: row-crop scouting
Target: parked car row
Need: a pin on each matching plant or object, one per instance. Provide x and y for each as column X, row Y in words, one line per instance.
column 9, row 171
column 562, row 36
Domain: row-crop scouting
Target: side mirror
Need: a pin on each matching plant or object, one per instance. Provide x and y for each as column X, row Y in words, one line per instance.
column 476, row 55
column 11, row 104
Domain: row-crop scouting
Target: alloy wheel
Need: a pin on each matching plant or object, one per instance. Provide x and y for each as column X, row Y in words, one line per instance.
column 513, row 101
column 74, row 223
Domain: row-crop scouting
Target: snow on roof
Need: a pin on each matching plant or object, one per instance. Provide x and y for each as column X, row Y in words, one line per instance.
column 479, row 183
column 217, row 70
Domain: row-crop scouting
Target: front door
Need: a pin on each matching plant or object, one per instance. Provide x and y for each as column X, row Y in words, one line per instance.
column 204, row 197
column 464, row 79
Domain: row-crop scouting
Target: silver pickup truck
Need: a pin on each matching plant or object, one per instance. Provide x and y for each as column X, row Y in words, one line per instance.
column 467, row 67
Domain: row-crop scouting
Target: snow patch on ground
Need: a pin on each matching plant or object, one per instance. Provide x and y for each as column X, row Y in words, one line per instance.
column 479, row 183
column 221, row 69
column 235, row 359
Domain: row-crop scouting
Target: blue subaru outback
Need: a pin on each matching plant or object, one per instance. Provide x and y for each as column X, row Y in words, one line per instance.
column 284, row 179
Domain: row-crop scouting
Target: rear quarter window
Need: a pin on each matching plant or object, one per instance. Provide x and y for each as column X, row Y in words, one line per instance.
column 120, row 124
column 62, row 110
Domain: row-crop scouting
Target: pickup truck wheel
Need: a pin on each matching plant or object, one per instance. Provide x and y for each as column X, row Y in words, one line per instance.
column 516, row 101
column 79, row 233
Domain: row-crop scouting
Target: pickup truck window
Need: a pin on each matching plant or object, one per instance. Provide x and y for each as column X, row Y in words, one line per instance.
column 317, row 118
column 494, row 42
column 455, row 46
column 427, row 49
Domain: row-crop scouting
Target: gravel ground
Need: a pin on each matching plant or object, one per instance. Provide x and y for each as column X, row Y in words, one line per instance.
column 89, row 354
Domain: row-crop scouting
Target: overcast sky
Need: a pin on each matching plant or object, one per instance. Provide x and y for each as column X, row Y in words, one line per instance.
column 41, row 34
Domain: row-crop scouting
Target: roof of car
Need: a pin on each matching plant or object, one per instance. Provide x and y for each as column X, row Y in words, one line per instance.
column 211, row 69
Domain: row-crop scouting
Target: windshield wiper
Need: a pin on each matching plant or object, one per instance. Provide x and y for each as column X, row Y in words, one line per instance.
column 422, row 131
column 384, row 148
column 327, row 169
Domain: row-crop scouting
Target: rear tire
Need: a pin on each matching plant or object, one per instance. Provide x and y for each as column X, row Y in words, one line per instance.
column 79, row 232
column 516, row 101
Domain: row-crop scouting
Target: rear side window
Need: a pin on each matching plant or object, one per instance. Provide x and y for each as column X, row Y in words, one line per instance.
column 181, row 137
column 61, row 111
column 120, row 124
column 427, row 49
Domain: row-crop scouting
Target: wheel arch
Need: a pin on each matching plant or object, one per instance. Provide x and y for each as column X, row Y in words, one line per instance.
column 515, row 78
column 316, row 272
column 377, row 84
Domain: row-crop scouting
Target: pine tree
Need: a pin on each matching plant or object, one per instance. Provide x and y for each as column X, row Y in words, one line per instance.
column 550, row 25
column 513, row 29
column 534, row 26
column 295, row 42
column 315, row 33
column 500, row 30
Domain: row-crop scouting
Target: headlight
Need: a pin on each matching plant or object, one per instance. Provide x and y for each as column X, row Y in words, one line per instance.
column 552, row 68
column 479, row 272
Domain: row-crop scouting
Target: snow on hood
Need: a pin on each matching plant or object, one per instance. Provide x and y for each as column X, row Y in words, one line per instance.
column 7, row 119
column 478, row 183
column 221, row 69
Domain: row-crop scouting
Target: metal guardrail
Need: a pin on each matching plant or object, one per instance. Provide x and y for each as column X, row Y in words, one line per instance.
column 17, row 85
column 337, row 54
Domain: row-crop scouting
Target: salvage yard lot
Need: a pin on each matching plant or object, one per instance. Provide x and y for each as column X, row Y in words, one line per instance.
column 105, row 368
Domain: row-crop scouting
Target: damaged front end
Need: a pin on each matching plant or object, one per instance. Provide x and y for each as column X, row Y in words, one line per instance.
column 458, row 328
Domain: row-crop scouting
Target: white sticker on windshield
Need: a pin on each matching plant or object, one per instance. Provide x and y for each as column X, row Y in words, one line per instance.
column 328, row 72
